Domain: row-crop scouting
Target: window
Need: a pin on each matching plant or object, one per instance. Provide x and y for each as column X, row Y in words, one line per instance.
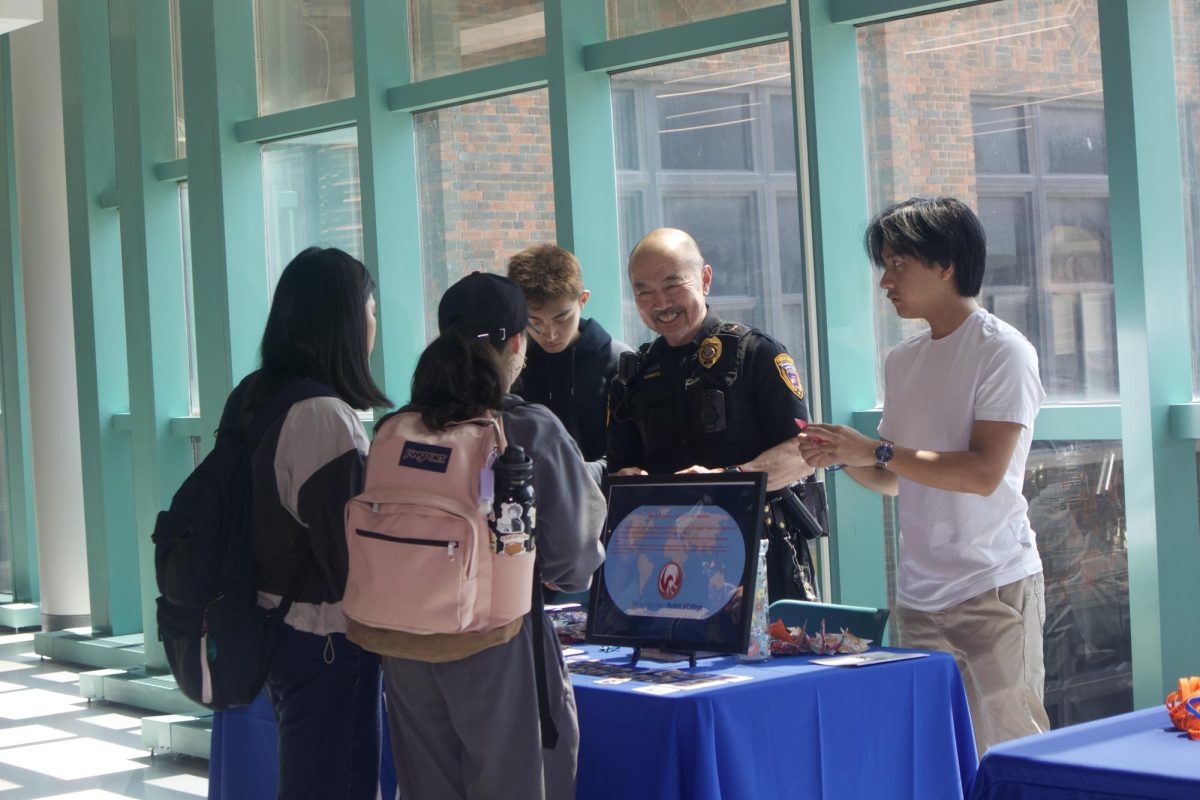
column 311, row 194
column 708, row 146
column 486, row 188
column 189, row 301
column 305, row 53
column 628, row 17
column 1076, row 504
column 177, row 83
column 1014, row 126
column 450, row 36
column 1186, row 25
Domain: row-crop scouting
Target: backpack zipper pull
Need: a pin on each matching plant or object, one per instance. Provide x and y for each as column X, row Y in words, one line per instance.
column 450, row 548
column 374, row 508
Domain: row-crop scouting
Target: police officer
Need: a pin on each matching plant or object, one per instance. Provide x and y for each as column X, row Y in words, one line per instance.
column 708, row 396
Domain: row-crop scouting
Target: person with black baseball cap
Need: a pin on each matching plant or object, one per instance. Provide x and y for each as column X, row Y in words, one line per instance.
column 463, row 708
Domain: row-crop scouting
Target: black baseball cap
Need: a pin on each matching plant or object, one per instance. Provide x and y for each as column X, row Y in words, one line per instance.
column 484, row 304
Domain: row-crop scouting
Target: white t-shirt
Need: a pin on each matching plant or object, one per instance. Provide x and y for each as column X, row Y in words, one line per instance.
column 954, row 545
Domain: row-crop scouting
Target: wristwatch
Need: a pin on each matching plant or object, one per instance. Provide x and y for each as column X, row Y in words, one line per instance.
column 883, row 454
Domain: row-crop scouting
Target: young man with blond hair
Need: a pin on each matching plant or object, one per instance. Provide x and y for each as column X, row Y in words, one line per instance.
column 570, row 360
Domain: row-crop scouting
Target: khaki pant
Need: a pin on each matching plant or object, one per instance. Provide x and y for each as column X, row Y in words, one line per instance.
column 996, row 638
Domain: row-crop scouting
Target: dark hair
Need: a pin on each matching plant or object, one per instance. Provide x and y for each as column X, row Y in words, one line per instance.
column 937, row 230
column 457, row 377
column 317, row 329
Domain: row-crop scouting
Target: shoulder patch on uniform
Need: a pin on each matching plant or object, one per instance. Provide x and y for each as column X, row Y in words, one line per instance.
column 787, row 371
column 710, row 352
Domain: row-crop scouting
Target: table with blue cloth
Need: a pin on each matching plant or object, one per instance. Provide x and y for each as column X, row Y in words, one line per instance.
column 1137, row 755
column 899, row 729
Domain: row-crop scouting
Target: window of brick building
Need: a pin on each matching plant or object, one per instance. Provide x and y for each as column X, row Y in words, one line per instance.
column 628, row 17
column 486, row 187
column 449, row 36
column 708, row 146
column 1001, row 105
column 305, row 53
column 311, row 196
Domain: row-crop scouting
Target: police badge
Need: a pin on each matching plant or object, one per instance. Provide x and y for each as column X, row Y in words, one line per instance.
column 710, row 352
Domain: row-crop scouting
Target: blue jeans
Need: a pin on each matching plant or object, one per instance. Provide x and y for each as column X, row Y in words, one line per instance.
column 325, row 691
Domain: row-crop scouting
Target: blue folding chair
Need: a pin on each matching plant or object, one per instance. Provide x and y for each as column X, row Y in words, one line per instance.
column 862, row 621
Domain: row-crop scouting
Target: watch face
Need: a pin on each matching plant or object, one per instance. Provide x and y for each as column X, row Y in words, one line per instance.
column 883, row 453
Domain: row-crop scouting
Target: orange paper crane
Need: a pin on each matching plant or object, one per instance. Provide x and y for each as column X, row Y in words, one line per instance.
column 1186, row 718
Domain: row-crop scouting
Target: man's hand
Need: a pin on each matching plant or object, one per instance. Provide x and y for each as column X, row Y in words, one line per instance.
column 824, row 445
column 696, row 469
column 631, row 471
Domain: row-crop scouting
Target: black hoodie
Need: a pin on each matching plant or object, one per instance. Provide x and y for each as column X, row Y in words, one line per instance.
column 574, row 384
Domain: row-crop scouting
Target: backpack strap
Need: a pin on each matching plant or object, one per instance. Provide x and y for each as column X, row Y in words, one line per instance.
column 279, row 405
column 263, row 419
column 549, row 729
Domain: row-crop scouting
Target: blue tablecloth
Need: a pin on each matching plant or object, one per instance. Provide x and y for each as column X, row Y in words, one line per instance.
column 1137, row 755
column 796, row 730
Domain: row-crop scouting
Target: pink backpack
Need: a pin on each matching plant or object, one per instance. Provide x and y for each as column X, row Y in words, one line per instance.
column 422, row 557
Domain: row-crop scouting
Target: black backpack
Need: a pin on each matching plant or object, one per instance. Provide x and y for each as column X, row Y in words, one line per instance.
column 218, row 640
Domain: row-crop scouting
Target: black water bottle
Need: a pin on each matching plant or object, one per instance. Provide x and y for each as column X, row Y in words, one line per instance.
column 514, row 513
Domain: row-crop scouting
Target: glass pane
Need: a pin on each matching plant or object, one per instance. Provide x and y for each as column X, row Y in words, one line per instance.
column 1076, row 505
column 783, row 133
column 189, row 303
column 486, row 187
column 311, row 196
column 627, row 17
column 791, row 253
column 1014, row 127
column 6, row 555
column 450, row 36
column 177, row 82
column 1074, row 140
column 1000, row 139
column 1186, row 25
column 706, row 130
column 717, row 134
column 305, row 53
column 625, row 129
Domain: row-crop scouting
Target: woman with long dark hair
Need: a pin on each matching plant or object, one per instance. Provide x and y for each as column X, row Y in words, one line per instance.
column 324, row 688
column 463, row 707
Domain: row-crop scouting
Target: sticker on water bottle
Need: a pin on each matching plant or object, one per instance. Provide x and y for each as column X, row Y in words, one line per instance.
column 513, row 538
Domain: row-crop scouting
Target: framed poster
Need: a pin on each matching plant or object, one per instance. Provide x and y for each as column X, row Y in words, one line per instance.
column 680, row 564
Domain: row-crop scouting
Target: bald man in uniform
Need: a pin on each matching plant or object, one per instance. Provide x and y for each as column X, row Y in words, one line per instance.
column 712, row 396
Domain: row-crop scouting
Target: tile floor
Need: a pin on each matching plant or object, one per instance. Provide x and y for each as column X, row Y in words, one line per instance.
column 55, row 746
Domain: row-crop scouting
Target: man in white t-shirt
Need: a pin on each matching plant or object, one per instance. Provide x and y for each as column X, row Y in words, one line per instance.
column 958, row 410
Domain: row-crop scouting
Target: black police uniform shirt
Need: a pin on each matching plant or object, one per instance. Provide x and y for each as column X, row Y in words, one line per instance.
column 652, row 421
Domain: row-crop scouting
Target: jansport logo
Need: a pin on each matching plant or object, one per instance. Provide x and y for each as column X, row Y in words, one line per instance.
column 425, row 456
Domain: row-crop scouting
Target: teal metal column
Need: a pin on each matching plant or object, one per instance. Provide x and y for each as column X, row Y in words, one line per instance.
column 1149, row 267
column 224, row 196
column 98, row 302
column 581, row 141
column 843, row 283
column 14, row 389
column 387, row 173
column 156, row 339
